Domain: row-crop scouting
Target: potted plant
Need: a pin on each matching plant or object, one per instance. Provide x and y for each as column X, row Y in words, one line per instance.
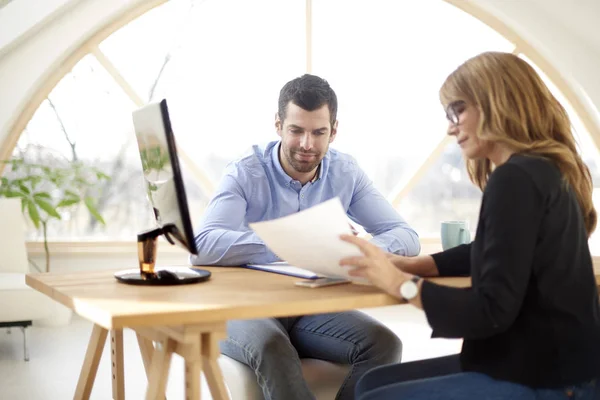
column 49, row 191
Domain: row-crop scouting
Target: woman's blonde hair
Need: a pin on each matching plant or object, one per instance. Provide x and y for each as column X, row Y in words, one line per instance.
column 517, row 109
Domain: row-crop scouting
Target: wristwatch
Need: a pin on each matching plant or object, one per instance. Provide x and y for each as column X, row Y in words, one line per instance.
column 409, row 289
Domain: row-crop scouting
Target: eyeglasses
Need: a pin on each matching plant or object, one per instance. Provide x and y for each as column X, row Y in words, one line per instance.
column 454, row 110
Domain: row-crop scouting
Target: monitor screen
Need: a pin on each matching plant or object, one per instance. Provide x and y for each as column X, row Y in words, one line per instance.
column 162, row 175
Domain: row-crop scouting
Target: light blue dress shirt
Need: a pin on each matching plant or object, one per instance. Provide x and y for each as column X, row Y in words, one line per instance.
column 256, row 188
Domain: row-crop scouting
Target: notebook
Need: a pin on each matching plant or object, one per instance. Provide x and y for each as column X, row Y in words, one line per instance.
column 284, row 268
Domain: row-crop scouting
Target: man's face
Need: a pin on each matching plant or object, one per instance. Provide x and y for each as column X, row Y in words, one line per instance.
column 305, row 137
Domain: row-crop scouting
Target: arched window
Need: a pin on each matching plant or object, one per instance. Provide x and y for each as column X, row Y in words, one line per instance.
column 221, row 73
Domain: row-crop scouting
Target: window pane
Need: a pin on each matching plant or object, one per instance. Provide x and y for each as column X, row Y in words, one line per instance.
column 224, row 70
column 221, row 73
column 87, row 117
column 387, row 71
column 138, row 49
column 445, row 193
column 587, row 147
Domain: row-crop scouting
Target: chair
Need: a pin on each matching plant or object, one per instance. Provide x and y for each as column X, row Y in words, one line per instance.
column 26, row 304
column 323, row 378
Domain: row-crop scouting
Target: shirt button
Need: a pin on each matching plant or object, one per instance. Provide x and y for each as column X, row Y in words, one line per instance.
column 302, row 195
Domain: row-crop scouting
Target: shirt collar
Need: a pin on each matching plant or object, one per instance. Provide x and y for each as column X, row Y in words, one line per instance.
column 282, row 176
column 317, row 174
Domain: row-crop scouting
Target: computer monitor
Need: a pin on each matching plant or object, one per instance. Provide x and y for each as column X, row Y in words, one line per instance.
column 166, row 193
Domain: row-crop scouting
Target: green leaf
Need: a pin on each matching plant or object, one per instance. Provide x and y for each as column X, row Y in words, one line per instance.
column 101, row 175
column 34, row 214
column 35, row 180
column 72, row 194
column 33, row 177
column 24, row 189
column 12, row 193
column 89, row 203
column 67, row 202
column 51, row 211
column 42, row 195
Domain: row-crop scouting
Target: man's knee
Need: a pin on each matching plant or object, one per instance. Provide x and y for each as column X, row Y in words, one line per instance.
column 258, row 351
column 386, row 345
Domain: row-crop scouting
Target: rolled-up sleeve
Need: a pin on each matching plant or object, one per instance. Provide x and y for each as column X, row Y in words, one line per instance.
column 220, row 241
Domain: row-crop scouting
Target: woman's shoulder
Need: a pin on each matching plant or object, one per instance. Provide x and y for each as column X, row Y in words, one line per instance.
column 524, row 169
column 535, row 166
column 531, row 161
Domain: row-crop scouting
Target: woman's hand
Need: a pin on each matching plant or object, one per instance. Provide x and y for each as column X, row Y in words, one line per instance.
column 422, row 265
column 375, row 265
column 400, row 262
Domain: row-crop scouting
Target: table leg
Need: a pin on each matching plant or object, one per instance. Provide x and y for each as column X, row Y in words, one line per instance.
column 199, row 347
column 212, row 371
column 159, row 369
column 118, row 367
column 90, row 363
column 193, row 368
column 147, row 351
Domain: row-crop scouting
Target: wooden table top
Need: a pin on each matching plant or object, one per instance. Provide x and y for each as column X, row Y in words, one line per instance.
column 230, row 293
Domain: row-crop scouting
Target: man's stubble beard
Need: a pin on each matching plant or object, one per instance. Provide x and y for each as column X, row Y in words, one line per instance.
column 301, row 167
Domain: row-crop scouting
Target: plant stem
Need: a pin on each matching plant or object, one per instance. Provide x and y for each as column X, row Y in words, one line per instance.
column 72, row 144
column 46, row 248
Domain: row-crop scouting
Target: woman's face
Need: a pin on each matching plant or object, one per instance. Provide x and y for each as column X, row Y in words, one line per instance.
column 463, row 120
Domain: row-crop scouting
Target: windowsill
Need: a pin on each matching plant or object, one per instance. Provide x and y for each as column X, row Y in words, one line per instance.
column 95, row 247
column 428, row 245
column 92, row 247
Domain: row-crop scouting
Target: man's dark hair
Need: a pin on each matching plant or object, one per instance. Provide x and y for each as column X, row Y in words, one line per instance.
column 310, row 93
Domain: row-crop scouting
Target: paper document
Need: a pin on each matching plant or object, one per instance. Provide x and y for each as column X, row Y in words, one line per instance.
column 310, row 239
column 285, row 269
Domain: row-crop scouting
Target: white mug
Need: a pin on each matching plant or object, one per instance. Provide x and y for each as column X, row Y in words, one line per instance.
column 455, row 233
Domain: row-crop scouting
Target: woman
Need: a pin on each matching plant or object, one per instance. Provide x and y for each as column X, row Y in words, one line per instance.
column 531, row 320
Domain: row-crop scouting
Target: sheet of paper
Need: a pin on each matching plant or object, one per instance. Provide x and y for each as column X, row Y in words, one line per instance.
column 285, row 269
column 310, row 239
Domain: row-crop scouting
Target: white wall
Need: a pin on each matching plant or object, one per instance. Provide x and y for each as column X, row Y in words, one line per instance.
column 563, row 31
column 24, row 67
column 22, row 20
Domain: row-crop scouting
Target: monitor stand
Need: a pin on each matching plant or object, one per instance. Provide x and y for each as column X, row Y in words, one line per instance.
column 147, row 275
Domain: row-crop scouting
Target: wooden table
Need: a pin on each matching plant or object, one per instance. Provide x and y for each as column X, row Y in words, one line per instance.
column 188, row 320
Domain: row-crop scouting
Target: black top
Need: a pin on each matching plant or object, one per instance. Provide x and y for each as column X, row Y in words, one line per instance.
column 532, row 314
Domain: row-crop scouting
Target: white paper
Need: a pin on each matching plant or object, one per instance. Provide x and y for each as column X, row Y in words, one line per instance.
column 285, row 269
column 310, row 239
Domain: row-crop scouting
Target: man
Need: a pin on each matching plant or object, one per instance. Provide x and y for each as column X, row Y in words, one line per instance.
column 285, row 177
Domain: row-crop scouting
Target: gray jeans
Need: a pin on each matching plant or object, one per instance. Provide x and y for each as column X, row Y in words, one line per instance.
column 273, row 349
